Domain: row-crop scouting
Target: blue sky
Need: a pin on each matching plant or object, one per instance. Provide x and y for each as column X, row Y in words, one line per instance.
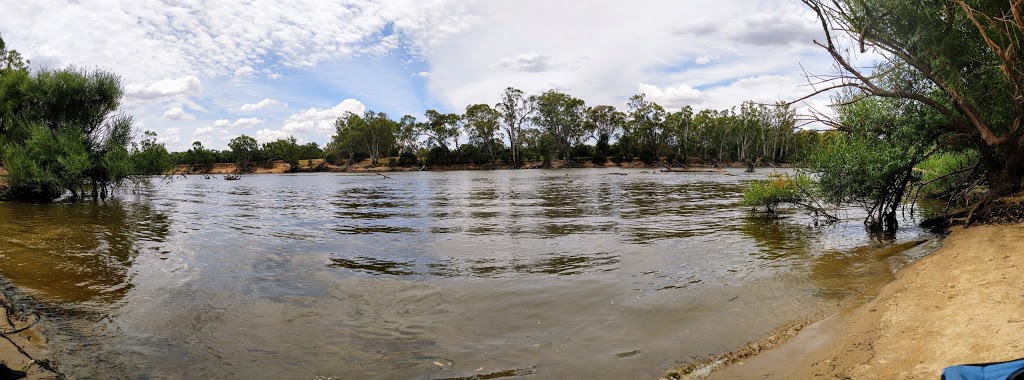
column 212, row 70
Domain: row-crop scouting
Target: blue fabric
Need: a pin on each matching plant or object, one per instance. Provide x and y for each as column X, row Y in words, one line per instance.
column 992, row 371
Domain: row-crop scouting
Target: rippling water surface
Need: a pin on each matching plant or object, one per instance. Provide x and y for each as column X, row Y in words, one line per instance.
column 550, row 274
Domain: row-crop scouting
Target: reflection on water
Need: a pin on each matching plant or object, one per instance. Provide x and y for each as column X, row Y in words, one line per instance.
column 426, row 275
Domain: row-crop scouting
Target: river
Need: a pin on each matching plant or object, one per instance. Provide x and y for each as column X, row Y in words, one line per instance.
column 591, row 273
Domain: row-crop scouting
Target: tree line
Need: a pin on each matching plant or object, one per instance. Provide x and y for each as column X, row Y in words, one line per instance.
column 558, row 126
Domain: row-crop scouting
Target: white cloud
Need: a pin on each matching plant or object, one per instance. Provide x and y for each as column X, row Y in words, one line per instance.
column 240, row 123
column 321, row 120
column 44, row 56
column 203, row 132
column 610, row 47
column 470, row 50
column 169, row 137
column 244, row 71
column 178, row 114
column 265, row 103
column 704, row 59
column 672, row 97
column 531, row 63
column 265, row 135
column 164, row 88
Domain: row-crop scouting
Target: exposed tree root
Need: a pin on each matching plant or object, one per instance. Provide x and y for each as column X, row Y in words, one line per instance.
column 1009, row 209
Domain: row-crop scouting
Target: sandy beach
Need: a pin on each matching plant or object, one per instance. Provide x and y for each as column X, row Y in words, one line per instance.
column 962, row 304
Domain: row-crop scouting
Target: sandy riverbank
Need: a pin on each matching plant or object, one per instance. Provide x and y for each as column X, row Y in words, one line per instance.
column 962, row 304
column 20, row 342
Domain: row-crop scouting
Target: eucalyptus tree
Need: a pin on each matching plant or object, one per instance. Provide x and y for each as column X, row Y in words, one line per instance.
column 516, row 111
column 782, row 119
column 563, row 118
column 286, row 149
column 679, row 131
column 441, row 129
column 604, row 123
column 407, row 135
column 482, row 125
column 646, row 126
column 346, row 138
column 378, row 134
column 242, row 149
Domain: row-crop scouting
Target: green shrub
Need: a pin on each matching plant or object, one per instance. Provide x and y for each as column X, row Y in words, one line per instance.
column 774, row 191
column 943, row 172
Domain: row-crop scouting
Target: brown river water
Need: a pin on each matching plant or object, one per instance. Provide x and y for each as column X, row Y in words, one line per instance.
column 425, row 275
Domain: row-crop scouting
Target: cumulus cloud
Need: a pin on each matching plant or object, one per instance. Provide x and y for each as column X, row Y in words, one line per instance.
column 266, row 135
column 203, row 132
column 265, row 103
column 169, row 137
column 178, row 114
column 321, row 120
column 274, row 76
column 240, row 123
column 165, row 88
column 672, row 97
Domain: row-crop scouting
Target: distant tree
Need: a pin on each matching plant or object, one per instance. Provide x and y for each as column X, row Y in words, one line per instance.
column 679, row 130
column 646, row 125
column 286, row 150
column 562, row 117
column 441, row 129
column 242, row 149
column 378, row 134
column 481, row 125
column 199, row 155
column 407, row 136
column 150, row 158
column 516, row 111
column 346, row 141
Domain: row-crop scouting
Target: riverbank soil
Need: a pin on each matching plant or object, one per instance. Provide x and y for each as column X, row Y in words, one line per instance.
column 18, row 349
column 962, row 304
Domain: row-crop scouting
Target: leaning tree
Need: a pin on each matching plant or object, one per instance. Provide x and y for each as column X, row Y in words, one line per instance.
column 967, row 55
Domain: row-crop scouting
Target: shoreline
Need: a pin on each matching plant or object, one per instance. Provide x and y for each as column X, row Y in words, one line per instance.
column 320, row 166
column 958, row 305
column 22, row 346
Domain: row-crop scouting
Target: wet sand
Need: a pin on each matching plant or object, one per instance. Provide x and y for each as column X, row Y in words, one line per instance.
column 20, row 343
column 962, row 304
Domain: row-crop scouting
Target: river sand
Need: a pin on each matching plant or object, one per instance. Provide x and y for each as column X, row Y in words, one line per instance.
column 21, row 343
column 962, row 304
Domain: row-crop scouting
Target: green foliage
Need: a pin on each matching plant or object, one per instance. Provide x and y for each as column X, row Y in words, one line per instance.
column 941, row 174
column 563, row 118
column 150, row 158
column 59, row 131
column 870, row 163
column 778, row 189
column 287, row 150
column 243, row 148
